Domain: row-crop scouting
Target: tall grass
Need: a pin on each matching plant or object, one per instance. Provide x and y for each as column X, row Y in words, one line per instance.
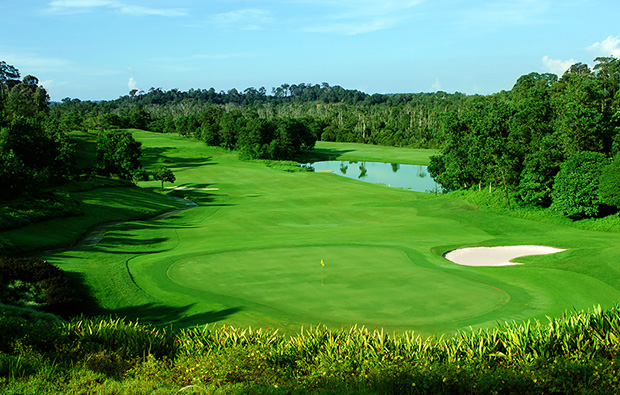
column 126, row 339
column 578, row 336
column 574, row 353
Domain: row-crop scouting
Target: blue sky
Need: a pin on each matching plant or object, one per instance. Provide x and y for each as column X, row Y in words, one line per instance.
column 101, row 49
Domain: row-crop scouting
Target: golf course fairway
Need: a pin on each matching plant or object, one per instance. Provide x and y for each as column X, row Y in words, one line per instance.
column 269, row 248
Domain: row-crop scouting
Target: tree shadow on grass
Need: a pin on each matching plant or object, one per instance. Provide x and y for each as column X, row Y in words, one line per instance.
column 164, row 156
column 156, row 314
column 129, row 241
column 176, row 317
column 320, row 154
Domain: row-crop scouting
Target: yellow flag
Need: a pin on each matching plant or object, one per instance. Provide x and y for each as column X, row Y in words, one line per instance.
column 322, row 264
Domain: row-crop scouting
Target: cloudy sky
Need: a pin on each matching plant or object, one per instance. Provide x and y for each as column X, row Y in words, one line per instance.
column 101, row 49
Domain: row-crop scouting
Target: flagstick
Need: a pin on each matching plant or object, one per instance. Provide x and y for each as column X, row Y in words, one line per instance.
column 321, row 276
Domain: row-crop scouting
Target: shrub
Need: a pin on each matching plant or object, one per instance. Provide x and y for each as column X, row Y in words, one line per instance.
column 576, row 186
column 41, row 282
column 610, row 183
column 126, row 339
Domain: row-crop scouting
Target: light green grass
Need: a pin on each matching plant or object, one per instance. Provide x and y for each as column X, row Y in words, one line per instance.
column 372, row 153
column 250, row 254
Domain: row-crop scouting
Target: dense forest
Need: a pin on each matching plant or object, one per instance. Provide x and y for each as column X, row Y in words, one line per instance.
column 330, row 113
column 37, row 152
column 548, row 142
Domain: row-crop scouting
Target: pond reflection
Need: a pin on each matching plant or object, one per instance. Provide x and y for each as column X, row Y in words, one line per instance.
column 396, row 175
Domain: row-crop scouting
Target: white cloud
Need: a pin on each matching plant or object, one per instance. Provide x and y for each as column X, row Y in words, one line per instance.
column 437, row 85
column 132, row 84
column 82, row 6
column 247, row 19
column 557, row 66
column 356, row 27
column 607, row 47
column 52, row 86
column 363, row 16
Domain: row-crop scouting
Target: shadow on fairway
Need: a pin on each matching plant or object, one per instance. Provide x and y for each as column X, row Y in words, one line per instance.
column 129, row 241
column 153, row 156
column 176, row 317
column 121, row 244
column 81, row 303
column 127, row 235
column 319, row 154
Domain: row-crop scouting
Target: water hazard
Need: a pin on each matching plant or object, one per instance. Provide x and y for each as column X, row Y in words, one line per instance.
column 411, row 177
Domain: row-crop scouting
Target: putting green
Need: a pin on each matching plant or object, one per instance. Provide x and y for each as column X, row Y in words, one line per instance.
column 353, row 287
column 250, row 253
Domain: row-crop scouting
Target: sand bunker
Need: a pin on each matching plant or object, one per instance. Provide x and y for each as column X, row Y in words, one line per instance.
column 495, row 256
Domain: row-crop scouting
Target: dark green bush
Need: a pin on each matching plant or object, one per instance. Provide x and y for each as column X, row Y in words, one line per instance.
column 50, row 286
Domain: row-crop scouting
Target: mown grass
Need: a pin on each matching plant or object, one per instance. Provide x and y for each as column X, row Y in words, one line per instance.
column 326, row 150
column 91, row 203
column 250, row 253
column 249, row 256
column 574, row 353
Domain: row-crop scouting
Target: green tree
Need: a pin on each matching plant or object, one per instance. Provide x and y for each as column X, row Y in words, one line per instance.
column 32, row 156
column 541, row 166
column 14, row 176
column 581, row 119
column 163, row 174
column 8, row 72
column 9, row 77
column 610, row 183
column 118, row 153
column 576, row 187
column 229, row 126
column 27, row 99
column 209, row 130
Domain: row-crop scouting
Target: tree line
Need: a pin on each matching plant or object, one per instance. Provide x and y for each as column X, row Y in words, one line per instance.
column 331, row 113
column 36, row 151
column 549, row 142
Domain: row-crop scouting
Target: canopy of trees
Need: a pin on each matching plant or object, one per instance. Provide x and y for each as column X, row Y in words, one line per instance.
column 35, row 150
column 516, row 141
column 33, row 153
column 548, row 142
column 330, row 112
column 119, row 154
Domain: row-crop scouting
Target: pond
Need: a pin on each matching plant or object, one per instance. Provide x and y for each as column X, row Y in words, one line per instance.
column 411, row 177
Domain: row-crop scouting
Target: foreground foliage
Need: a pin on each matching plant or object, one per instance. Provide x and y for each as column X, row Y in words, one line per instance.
column 37, row 283
column 575, row 353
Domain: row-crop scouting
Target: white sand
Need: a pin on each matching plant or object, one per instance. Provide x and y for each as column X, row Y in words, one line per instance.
column 495, row 256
